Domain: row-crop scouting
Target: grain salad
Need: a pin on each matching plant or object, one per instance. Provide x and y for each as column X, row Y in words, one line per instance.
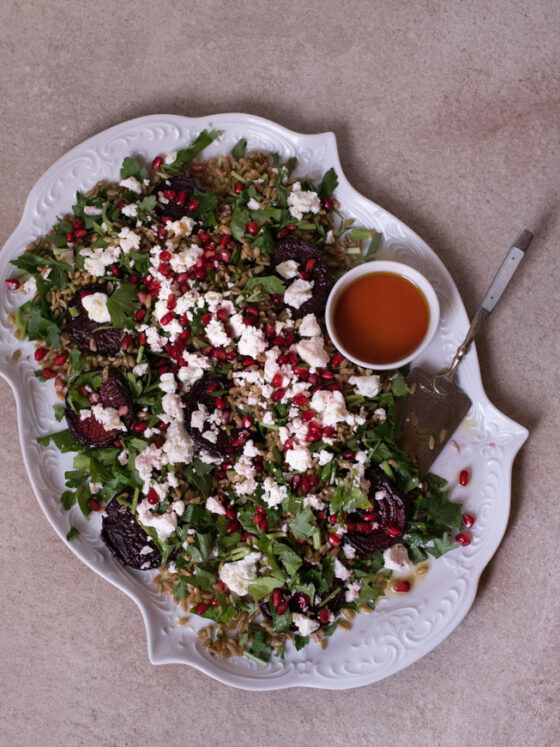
column 221, row 435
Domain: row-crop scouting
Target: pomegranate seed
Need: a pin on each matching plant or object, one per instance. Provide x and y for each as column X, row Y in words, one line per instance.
column 337, row 360
column 163, row 426
column 160, row 440
column 201, row 608
column 215, row 603
column 289, row 444
column 296, row 481
column 301, row 372
column 204, row 237
column 277, row 380
column 238, row 187
column 200, row 274
column 230, row 514
column 247, row 421
column 232, row 527
column 169, row 194
column 212, row 386
column 165, row 219
column 152, row 497
column 402, row 586
column 304, row 275
column 165, row 256
column 40, row 354
column 193, row 205
column 142, row 338
column 464, row 477
column 349, row 454
column 281, row 608
column 181, row 197
column 363, row 526
column 260, row 510
column 252, row 228
column 60, row 359
column 463, row 539
column 166, row 318
column 197, row 167
column 118, row 443
column 307, row 415
column 219, row 585
column 206, row 319
column 334, row 540
column 394, row 531
column 80, row 233
column 468, row 520
column 313, row 378
column 329, row 431
column 278, row 394
column 161, row 232
column 93, row 504
column 248, row 537
column 12, row 283
column 222, row 314
column 140, row 426
column 328, row 204
column 302, row 601
column 324, row 615
column 48, row 373
column 327, row 375
column 220, row 404
column 140, row 314
column 277, row 299
column 300, row 400
column 276, row 597
column 69, row 238
column 78, row 223
column 157, row 162
column 350, row 526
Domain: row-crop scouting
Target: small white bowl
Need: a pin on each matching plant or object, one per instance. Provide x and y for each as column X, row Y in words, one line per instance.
column 396, row 268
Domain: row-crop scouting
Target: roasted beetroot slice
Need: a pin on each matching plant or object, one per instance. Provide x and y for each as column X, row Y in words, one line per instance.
column 83, row 330
column 199, row 394
column 114, row 392
column 391, row 516
column 177, row 184
column 301, row 252
column 126, row 539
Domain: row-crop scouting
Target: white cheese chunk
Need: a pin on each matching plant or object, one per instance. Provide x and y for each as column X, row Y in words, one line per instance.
column 301, row 202
column 367, row 386
column 238, row 575
column 298, row 293
column 95, row 305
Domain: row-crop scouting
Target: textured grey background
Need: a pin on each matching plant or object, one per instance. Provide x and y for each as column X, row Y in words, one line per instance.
column 447, row 114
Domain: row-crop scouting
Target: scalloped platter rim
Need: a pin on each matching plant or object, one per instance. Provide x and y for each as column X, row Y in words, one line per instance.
column 402, row 629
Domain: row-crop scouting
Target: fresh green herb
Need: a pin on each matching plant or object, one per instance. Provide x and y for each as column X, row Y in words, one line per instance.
column 347, row 498
column 329, row 183
column 238, row 150
column 131, row 167
column 122, row 304
column 302, row 525
column 72, row 534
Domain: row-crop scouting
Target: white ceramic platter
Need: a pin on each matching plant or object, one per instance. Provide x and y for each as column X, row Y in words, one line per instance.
column 402, row 629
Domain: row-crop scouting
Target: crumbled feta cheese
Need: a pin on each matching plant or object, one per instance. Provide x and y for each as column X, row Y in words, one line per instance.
column 164, row 524
column 97, row 260
column 181, row 227
column 92, row 210
column 340, row 571
column 380, row 415
column 199, row 417
column 324, row 457
column 146, row 550
column 273, row 494
column 288, row 269
column 329, row 238
column 170, row 158
column 353, row 591
column 299, row 458
column 140, row 369
column 95, row 305
column 149, row 459
column 301, row 202
column 156, row 342
column 215, row 506
column 247, row 487
column 132, row 184
column 253, row 204
column 131, row 211
column 237, row 325
column 367, row 386
column 123, row 457
column 252, row 342
column 309, row 326
column 211, row 436
column 167, row 383
column 107, row 416
column 188, row 375
column 329, row 406
column 128, row 240
column 216, row 333
column 178, row 507
column 178, row 445
column 304, row 624
column 349, row 551
column 238, row 575
column 183, row 261
column 314, row 501
column 95, row 487
column 298, row 293
column 313, row 352
column 30, row 285
column 396, row 558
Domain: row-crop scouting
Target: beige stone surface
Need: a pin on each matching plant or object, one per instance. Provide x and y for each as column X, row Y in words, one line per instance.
column 447, row 114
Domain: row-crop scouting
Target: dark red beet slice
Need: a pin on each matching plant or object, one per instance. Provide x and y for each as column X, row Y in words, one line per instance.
column 177, row 184
column 126, row 539
column 114, row 392
column 302, row 252
column 83, row 330
column 199, row 394
column 391, row 516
